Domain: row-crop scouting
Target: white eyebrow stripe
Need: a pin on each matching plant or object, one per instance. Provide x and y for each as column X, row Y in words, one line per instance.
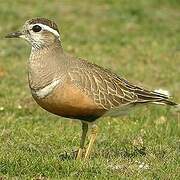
column 48, row 29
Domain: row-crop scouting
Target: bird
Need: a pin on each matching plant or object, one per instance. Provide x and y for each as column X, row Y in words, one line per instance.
column 75, row 88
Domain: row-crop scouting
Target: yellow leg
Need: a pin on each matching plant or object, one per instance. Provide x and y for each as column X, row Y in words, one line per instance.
column 94, row 132
column 83, row 138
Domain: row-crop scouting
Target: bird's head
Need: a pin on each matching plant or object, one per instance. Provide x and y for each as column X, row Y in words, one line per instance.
column 39, row 32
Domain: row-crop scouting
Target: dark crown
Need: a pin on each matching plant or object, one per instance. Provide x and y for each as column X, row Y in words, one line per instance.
column 44, row 21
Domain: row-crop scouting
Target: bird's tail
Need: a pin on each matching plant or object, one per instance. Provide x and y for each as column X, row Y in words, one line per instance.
column 156, row 97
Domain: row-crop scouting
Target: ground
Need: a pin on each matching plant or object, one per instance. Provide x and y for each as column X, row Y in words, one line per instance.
column 139, row 41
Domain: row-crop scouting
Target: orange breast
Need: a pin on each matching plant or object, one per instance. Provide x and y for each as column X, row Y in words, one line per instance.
column 70, row 101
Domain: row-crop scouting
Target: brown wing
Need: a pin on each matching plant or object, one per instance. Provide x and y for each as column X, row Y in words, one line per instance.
column 109, row 90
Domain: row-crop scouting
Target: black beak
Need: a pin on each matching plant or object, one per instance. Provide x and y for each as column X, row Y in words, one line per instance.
column 14, row 35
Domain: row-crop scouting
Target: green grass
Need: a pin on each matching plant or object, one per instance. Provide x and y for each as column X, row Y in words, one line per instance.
column 138, row 40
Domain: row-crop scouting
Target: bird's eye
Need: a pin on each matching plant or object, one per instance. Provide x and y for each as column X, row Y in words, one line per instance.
column 36, row 28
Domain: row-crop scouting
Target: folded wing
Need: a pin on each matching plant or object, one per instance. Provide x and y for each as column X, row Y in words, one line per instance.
column 110, row 91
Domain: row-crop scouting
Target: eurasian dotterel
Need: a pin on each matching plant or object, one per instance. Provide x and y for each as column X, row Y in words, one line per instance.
column 73, row 87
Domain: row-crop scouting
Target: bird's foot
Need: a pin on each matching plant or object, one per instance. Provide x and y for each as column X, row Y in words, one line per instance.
column 68, row 155
column 81, row 153
column 74, row 154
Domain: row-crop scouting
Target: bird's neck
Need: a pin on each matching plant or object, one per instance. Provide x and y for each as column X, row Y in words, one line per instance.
column 46, row 65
